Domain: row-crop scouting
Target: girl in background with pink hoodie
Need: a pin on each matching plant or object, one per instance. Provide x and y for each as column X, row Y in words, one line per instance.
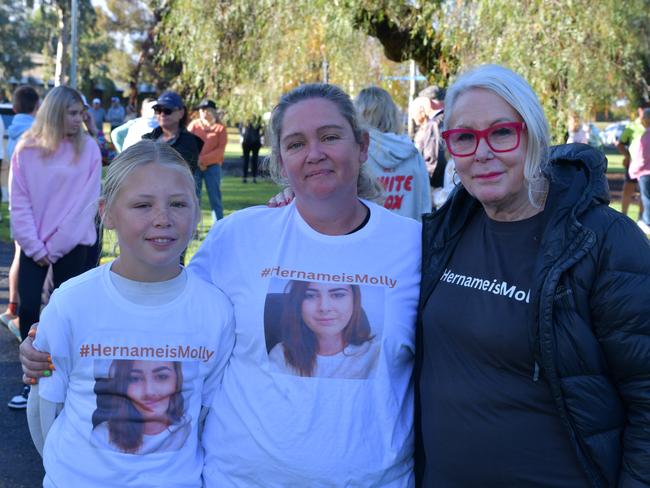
column 54, row 187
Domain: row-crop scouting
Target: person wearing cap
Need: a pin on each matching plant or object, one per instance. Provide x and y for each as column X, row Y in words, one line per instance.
column 116, row 113
column 214, row 137
column 98, row 113
column 171, row 115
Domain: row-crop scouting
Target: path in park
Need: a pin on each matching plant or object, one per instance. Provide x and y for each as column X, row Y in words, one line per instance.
column 20, row 464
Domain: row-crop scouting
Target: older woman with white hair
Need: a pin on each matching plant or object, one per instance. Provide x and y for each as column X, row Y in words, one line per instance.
column 534, row 331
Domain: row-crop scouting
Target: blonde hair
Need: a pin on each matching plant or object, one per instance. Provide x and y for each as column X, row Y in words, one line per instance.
column 377, row 109
column 47, row 132
column 367, row 185
column 144, row 152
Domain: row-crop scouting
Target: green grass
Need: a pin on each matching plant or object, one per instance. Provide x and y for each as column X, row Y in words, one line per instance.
column 614, row 161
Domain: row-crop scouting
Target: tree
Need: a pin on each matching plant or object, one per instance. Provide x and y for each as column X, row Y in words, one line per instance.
column 407, row 30
column 247, row 53
column 138, row 21
column 14, row 33
column 577, row 55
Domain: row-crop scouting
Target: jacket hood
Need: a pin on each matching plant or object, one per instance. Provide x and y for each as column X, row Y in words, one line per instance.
column 19, row 124
column 389, row 150
column 577, row 175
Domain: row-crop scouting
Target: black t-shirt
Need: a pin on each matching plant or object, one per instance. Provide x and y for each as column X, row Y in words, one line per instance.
column 486, row 419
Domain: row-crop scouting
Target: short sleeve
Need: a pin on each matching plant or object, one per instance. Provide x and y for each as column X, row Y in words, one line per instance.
column 54, row 336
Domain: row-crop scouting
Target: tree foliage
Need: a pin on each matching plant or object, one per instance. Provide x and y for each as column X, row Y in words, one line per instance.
column 578, row 55
column 245, row 54
column 407, row 30
column 14, row 35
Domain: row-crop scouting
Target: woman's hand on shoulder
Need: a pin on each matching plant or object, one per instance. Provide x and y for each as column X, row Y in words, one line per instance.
column 35, row 364
column 282, row 199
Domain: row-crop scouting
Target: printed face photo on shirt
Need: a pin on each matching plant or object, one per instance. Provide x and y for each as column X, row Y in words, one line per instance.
column 323, row 329
column 140, row 406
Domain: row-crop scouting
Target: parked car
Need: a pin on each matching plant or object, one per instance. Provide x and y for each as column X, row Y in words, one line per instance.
column 594, row 136
column 612, row 133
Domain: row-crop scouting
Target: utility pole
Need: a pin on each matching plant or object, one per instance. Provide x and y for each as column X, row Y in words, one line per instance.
column 74, row 41
column 411, row 127
column 325, row 64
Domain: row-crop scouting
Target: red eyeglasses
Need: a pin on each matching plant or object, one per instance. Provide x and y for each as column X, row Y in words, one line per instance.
column 500, row 138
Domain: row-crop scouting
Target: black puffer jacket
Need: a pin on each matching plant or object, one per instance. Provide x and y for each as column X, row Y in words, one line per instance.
column 590, row 324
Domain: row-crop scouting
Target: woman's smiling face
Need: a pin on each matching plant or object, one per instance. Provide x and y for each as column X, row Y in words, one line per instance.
column 496, row 180
column 151, row 386
column 327, row 308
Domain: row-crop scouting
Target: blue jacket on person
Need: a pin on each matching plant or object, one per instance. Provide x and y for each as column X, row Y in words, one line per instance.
column 19, row 125
column 591, row 322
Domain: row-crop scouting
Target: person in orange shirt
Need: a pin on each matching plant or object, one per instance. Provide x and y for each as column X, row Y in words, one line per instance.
column 214, row 137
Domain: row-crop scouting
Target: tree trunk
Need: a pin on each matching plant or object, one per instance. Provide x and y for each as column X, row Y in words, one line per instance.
column 62, row 44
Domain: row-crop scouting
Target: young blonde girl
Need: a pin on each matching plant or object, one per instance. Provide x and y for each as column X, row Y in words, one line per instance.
column 54, row 184
column 139, row 345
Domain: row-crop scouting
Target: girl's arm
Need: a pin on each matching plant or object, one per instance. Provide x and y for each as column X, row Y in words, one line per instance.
column 23, row 225
column 41, row 414
column 45, row 402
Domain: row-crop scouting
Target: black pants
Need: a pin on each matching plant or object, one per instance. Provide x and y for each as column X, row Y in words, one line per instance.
column 30, row 283
column 250, row 154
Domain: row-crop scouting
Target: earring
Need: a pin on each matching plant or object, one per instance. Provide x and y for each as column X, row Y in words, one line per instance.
column 453, row 178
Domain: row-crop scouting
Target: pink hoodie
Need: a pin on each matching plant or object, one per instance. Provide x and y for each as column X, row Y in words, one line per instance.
column 640, row 151
column 53, row 199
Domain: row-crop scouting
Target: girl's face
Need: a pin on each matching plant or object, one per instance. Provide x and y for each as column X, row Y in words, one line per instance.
column 151, row 385
column 73, row 119
column 327, row 308
column 154, row 216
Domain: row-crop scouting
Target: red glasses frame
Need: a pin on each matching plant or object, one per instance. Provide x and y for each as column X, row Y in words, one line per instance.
column 483, row 134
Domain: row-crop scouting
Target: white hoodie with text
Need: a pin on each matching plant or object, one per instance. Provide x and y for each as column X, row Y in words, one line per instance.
column 400, row 169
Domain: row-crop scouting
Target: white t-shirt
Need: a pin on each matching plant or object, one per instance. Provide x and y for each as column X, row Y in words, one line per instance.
column 271, row 428
column 132, row 379
column 353, row 362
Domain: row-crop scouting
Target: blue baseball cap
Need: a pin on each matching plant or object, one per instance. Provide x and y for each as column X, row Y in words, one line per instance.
column 169, row 99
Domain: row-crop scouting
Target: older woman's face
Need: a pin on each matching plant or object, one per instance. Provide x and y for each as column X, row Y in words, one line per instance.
column 327, row 308
column 171, row 121
column 495, row 179
column 320, row 156
column 151, row 386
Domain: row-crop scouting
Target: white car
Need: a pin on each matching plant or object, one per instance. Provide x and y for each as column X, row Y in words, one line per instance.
column 612, row 133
